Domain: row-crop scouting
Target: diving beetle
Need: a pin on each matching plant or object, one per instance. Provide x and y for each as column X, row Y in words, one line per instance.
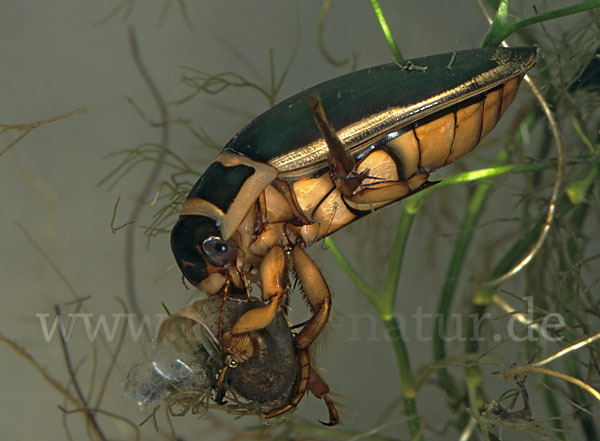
column 318, row 161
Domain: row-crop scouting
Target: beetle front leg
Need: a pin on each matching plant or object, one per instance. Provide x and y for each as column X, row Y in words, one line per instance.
column 275, row 285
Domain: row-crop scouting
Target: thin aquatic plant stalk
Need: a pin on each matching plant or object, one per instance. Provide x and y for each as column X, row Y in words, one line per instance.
column 501, row 28
column 457, row 261
column 552, row 407
column 397, row 257
column 386, row 31
column 356, row 278
column 571, row 364
column 555, row 188
column 320, row 42
column 136, row 211
column 383, row 301
column 388, row 296
column 473, row 212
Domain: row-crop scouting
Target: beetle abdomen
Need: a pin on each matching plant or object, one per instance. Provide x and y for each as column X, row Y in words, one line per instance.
column 446, row 136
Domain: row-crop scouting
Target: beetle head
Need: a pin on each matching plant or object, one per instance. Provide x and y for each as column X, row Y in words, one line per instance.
column 199, row 248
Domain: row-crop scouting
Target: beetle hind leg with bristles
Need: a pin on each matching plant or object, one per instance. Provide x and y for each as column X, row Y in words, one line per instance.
column 318, row 297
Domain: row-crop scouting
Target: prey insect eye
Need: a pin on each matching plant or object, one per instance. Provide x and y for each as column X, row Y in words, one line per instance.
column 218, row 251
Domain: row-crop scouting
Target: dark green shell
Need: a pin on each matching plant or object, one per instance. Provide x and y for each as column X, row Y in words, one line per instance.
column 289, row 125
column 219, row 185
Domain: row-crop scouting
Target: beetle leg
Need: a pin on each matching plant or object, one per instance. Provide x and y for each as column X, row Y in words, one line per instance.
column 264, row 243
column 319, row 299
column 382, row 193
column 300, row 388
column 341, row 163
column 222, row 309
column 317, row 295
column 273, row 271
column 262, row 209
column 308, row 379
column 320, row 390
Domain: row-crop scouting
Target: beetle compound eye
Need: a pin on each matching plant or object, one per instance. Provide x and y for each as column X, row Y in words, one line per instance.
column 218, row 251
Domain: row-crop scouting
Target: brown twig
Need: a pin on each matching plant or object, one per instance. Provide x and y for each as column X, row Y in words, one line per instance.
column 38, row 367
column 89, row 413
column 113, row 359
column 27, row 128
column 107, row 413
column 150, row 181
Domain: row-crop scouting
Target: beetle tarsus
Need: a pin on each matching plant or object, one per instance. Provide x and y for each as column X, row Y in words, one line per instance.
column 220, row 387
column 319, row 389
column 334, row 418
column 220, row 395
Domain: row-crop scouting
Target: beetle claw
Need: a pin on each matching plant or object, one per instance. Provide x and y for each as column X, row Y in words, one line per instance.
column 334, row 418
column 220, row 386
column 220, row 395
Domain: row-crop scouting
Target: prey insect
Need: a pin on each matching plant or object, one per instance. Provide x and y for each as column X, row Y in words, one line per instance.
column 320, row 160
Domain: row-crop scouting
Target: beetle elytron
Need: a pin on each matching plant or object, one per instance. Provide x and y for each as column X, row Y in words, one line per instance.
column 320, row 160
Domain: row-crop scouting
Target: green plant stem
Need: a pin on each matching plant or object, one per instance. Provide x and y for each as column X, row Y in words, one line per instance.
column 501, row 29
column 474, row 210
column 387, row 305
column 573, row 255
column 498, row 26
column 463, row 241
column 395, row 261
column 483, row 298
column 362, row 286
column 519, row 248
column 409, row 392
column 383, row 301
column 386, row 31
column 553, row 407
column 585, row 419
